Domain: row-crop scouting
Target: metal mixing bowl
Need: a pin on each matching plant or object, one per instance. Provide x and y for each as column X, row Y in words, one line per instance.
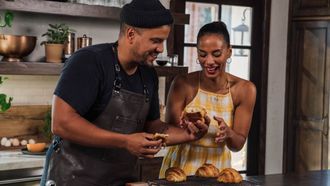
column 13, row 48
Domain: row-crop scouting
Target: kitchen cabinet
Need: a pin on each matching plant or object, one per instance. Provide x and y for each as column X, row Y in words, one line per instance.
column 21, row 177
column 308, row 93
column 303, row 8
column 148, row 169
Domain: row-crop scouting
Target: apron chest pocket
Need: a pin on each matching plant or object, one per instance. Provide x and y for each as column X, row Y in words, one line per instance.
column 124, row 125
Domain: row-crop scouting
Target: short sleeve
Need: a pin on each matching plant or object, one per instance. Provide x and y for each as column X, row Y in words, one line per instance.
column 79, row 81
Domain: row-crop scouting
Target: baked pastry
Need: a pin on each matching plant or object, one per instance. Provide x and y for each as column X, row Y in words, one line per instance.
column 229, row 175
column 194, row 113
column 175, row 174
column 208, row 171
column 161, row 136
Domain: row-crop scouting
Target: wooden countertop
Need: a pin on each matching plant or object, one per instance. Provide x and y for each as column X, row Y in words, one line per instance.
column 12, row 160
column 312, row 178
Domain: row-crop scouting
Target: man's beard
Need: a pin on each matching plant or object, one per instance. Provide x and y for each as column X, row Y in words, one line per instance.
column 145, row 60
column 146, row 63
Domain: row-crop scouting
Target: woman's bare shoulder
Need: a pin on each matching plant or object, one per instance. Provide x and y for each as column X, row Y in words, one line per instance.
column 239, row 83
column 241, row 88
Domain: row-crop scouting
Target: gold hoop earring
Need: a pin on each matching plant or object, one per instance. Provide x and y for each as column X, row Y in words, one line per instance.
column 197, row 61
column 228, row 61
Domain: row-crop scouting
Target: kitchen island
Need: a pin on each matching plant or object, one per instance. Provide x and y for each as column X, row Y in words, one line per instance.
column 312, row 178
column 16, row 167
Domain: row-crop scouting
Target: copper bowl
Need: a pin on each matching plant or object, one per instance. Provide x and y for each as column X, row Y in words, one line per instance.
column 13, row 48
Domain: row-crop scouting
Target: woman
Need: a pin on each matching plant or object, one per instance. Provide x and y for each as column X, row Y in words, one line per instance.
column 228, row 100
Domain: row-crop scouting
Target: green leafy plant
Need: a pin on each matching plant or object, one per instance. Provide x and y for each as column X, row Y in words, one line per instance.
column 57, row 34
column 46, row 129
column 5, row 101
column 7, row 19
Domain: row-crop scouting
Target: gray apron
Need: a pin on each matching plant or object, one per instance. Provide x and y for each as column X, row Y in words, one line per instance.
column 74, row 165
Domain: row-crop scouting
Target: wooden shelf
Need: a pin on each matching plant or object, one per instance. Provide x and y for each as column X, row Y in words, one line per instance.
column 43, row 68
column 73, row 9
column 30, row 68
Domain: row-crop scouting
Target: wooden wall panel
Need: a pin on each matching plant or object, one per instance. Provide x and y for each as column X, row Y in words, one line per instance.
column 309, row 146
column 312, row 74
column 23, row 122
column 308, row 100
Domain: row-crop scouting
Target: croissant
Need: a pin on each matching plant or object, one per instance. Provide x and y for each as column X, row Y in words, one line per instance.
column 175, row 174
column 208, row 171
column 194, row 113
column 229, row 175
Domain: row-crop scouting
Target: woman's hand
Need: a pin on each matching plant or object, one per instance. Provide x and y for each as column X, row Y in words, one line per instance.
column 196, row 129
column 224, row 131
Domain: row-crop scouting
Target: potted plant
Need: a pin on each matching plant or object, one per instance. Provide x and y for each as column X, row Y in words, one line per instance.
column 57, row 35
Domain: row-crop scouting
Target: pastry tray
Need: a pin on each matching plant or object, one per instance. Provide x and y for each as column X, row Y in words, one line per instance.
column 199, row 181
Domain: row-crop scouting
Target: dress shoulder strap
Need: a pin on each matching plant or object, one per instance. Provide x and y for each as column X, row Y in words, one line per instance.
column 199, row 79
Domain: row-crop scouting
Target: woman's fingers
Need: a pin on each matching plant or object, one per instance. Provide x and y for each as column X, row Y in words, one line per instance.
column 192, row 128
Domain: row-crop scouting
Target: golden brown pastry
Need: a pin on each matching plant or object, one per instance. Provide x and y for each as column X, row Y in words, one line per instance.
column 161, row 136
column 194, row 113
column 207, row 170
column 175, row 174
column 229, row 175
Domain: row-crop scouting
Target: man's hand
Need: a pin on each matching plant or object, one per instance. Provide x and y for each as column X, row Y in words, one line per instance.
column 143, row 145
column 224, row 131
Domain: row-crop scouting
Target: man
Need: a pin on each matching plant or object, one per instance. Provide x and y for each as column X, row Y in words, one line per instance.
column 106, row 108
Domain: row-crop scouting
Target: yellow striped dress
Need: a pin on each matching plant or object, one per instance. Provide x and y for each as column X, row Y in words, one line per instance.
column 190, row 156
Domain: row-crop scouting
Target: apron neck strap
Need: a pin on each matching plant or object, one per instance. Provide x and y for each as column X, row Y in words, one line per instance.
column 117, row 83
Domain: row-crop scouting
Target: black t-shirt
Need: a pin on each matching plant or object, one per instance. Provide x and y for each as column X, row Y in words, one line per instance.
column 87, row 78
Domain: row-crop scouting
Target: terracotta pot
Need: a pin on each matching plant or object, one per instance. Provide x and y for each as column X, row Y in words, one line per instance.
column 54, row 52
